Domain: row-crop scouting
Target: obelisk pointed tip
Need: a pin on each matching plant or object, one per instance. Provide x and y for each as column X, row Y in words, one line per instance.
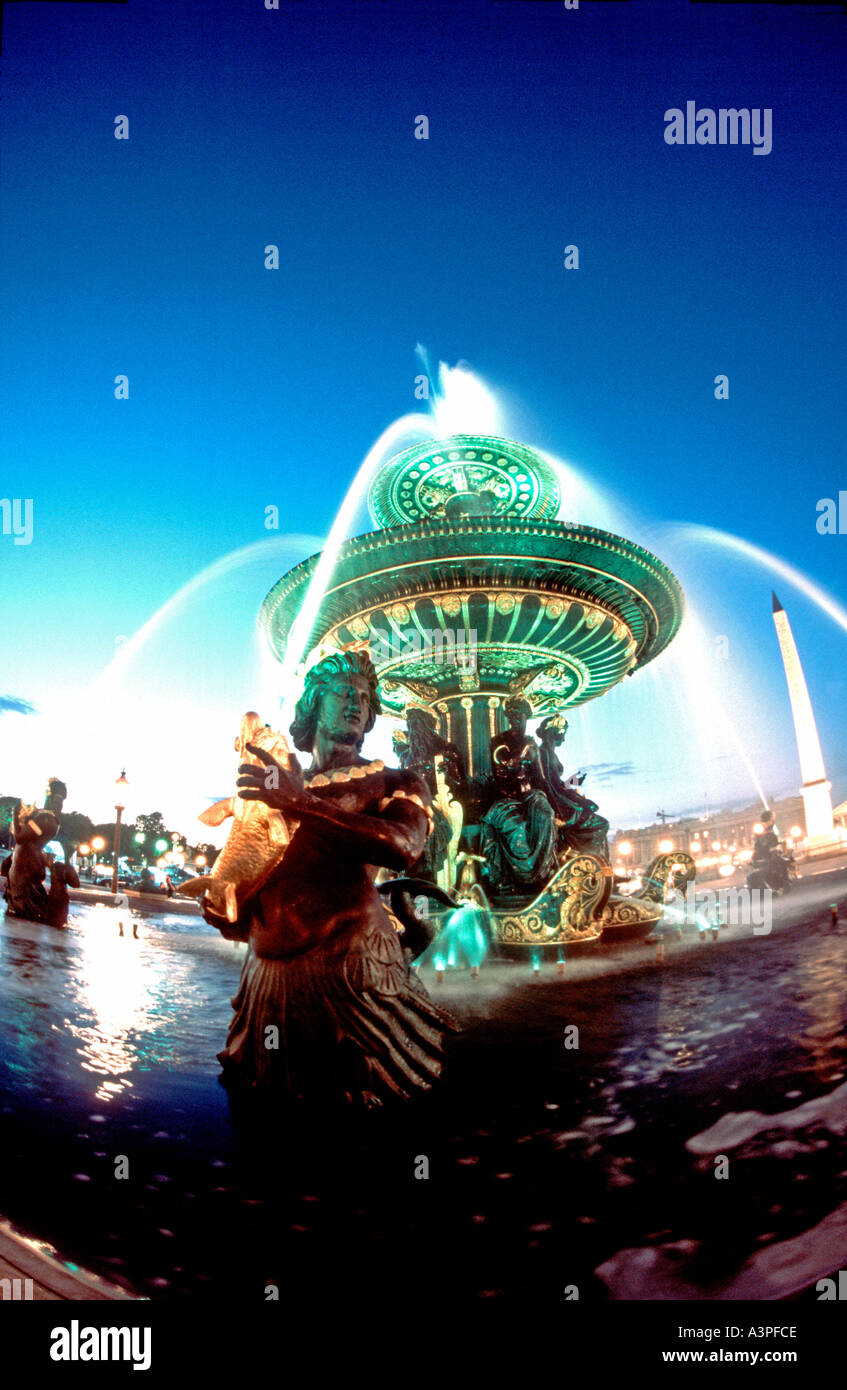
column 777, row 606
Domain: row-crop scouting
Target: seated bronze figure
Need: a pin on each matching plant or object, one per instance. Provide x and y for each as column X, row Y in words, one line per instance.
column 518, row 831
column 25, row 869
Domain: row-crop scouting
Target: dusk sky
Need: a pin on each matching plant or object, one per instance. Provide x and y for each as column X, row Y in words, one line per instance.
column 251, row 387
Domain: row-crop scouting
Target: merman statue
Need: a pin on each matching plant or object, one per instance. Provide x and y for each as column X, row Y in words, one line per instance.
column 518, row 831
column 328, row 1005
column 581, row 828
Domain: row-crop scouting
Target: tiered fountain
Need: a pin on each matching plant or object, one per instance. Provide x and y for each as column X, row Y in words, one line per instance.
column 469, row 592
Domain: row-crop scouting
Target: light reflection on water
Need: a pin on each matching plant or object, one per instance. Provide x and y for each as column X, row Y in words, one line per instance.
column 127, row 1006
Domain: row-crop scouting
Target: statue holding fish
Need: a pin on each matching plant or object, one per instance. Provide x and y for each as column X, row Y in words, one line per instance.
column 328, row 1005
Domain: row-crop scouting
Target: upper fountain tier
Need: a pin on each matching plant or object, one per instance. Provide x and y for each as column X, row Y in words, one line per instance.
column 467, row 475
column 469, row 543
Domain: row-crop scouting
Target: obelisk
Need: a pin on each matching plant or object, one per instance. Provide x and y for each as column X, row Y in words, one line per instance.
column 815, row 789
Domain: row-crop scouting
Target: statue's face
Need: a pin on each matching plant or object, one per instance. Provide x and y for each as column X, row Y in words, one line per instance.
column 517, row 720
column 345, row 708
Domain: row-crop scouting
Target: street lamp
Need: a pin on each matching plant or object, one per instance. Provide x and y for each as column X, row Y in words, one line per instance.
column 98, row 844
column 120, row 783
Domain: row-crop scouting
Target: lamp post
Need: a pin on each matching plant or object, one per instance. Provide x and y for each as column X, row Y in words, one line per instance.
column 120, row 784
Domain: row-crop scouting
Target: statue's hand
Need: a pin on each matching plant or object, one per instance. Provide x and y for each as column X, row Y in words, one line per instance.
column 272, row 783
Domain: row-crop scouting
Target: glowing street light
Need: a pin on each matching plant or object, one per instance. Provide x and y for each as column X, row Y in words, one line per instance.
column 665, row 846
column 625, row 848
column 201, row 861
column 98, row 844
column 796, row 832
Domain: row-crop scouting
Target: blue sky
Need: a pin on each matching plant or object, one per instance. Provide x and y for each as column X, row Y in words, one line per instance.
column 251, row 387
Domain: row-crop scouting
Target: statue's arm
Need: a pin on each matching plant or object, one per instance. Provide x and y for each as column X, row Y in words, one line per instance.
column 394, row 839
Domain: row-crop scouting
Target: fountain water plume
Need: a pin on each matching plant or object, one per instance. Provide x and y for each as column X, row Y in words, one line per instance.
column 88, row 730
column 246, row 554
column 582, row 501
column 295, row 650
column 460, row 403
column 708, row 535
column 692, row 641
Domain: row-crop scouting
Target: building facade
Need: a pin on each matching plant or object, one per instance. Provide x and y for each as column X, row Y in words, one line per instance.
column 707, row 838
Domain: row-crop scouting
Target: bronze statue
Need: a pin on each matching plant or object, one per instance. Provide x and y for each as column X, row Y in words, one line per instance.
column 56, row 795
column 518, row 831
column 328, row 1005
column 439, row 763
column 581, row 828
column 25, row 869
column 62, row 877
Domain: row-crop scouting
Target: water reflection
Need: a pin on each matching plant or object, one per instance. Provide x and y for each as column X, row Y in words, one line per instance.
column 88, row 1009
column 819, row 984
column 117, row 982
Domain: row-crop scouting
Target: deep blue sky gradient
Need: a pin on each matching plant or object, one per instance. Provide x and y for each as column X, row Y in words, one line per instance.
column 251, row 387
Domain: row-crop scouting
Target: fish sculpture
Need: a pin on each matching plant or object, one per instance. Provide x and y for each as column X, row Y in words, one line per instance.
column 258, row 837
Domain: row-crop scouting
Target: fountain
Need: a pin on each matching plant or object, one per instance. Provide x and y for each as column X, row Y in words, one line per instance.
column 473, row 598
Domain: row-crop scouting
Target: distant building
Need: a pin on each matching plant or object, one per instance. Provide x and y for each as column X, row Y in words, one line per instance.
column 706, row 838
